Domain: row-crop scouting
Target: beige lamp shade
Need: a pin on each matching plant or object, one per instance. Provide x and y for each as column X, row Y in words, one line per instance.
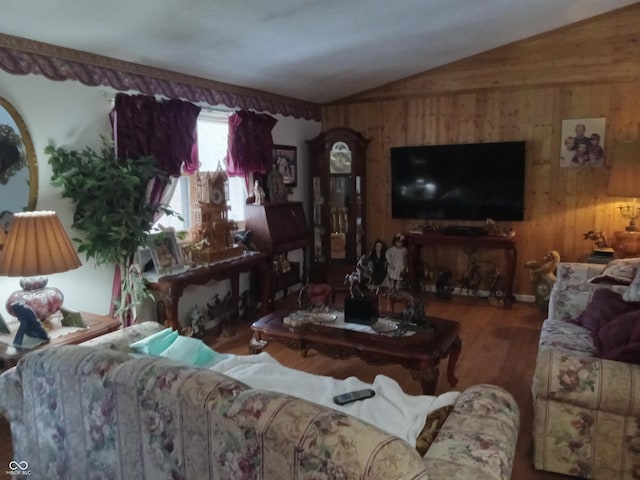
column 624, row 179
column 37, row 244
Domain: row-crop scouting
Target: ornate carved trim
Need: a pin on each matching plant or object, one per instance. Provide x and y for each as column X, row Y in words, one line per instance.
column 21, row 56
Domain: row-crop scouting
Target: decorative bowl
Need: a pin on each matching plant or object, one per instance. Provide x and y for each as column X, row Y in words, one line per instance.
column 385, row 326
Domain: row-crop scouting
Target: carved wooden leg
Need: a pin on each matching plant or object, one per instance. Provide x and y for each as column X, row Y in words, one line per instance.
column 428, row 378
column 454, row 354
column 256, row 345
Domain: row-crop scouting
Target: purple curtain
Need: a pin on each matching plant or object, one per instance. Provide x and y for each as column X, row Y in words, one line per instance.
column 143, row 126
column 167, row 130
column 250, row 144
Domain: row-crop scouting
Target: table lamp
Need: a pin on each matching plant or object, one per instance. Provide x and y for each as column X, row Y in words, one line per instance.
column 624, row 180
column 36, row 245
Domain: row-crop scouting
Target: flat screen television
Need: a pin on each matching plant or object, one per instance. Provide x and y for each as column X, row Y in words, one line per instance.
column 459, row 182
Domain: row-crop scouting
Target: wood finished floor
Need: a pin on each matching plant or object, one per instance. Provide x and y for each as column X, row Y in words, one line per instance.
column 498, row 346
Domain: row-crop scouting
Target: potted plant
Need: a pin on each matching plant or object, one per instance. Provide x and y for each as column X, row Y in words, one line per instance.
column 111, row 212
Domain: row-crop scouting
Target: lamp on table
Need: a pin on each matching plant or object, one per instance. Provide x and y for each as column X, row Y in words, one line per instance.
column 624, row 182
column 36, row 245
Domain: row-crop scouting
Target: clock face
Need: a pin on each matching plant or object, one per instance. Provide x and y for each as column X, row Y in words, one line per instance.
column 217, row 196
column 340, row 158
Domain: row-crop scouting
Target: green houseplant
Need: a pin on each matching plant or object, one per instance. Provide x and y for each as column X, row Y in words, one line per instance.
column 111, row 212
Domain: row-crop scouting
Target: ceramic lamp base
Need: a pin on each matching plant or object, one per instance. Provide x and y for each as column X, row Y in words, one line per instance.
column 35, row 293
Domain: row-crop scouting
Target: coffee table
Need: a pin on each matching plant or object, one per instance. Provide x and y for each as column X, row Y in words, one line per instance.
column 96, row 325
column 420, row 353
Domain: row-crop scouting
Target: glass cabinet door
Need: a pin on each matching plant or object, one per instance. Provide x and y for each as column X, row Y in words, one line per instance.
column 318, row 227
column 339, row 211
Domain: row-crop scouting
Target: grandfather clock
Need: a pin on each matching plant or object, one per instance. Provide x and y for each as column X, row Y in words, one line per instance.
column 337, row 190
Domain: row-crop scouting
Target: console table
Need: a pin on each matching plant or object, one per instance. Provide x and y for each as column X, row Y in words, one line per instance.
column 415, row 241
column 169, row 288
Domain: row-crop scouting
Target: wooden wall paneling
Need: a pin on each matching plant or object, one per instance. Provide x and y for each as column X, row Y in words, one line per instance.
column 521, row 91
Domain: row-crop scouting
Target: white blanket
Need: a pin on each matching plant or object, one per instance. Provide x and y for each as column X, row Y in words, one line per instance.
column 390, row 409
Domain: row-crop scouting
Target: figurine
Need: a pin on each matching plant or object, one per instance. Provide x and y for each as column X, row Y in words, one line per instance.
column 29, row 324
column 71, row 318
column 258, row 193
column 599, row 238
column 396, row 257
column 378, row 264
column 444, row 288
column 542, row 274
column 196, row 317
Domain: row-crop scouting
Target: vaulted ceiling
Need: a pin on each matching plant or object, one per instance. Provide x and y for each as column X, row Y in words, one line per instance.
column 313, row 50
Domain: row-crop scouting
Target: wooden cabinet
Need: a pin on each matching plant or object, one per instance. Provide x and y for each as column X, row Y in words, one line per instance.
column 279, row 228
column 337, row 181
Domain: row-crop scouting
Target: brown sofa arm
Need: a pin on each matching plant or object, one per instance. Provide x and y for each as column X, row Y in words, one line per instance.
column 478, row 439
column 589, row 382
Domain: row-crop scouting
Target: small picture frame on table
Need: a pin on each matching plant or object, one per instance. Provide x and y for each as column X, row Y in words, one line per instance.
column 286, row 161
column 165, row 252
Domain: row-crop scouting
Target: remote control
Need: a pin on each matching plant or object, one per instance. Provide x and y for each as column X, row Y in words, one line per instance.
column 353, row 396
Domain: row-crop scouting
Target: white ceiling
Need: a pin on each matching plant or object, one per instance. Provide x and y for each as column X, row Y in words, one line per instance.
column 314, row 50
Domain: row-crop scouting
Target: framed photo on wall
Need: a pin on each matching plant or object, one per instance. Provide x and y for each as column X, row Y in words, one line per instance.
column 286, row 161
column 165, row 252
column 582, row 142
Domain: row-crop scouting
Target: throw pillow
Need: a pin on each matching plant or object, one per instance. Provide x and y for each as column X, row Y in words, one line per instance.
column 618, row 333
column 156, row 343
column 618, row 272
column 627, row 354
column 432, row 426
column 605, row 305
column 632, row 294
column 189, row 350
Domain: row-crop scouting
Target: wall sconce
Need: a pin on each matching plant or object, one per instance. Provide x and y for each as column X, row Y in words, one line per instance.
column 624, row 180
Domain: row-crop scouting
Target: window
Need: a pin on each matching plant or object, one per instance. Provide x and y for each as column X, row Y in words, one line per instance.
column 213, row 129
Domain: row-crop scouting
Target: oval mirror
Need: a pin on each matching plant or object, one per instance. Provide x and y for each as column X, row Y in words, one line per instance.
column 18, row 165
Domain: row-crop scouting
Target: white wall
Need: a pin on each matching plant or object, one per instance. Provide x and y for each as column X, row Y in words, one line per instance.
column 73, row 115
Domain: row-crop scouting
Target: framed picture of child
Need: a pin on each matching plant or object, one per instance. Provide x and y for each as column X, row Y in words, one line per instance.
column 582, row 142
column 285, row 159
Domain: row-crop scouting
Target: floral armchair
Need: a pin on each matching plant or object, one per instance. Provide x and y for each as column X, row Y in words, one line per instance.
column 586, row 408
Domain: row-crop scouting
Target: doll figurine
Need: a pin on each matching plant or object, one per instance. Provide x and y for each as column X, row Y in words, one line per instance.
column 396, row 257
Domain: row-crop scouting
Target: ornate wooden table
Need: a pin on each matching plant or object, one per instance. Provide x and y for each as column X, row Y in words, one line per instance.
column 417, row 240
column 420, row 353
column 169, row 288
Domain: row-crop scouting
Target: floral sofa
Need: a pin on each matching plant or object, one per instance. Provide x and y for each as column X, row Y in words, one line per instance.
column 101, row 413
column 586, row 406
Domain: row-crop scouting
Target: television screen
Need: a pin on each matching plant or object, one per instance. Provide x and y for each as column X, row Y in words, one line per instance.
column 458, row 182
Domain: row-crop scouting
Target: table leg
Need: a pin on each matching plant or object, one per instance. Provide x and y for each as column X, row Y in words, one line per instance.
column 428, row 378
column 454, row 354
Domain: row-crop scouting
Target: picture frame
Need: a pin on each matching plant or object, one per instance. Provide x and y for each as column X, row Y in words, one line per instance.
column 286, row 161
column 165, row 252
column 582, row 142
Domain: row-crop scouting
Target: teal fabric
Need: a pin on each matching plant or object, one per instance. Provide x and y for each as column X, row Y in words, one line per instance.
column 156, row 343
column 189, row 350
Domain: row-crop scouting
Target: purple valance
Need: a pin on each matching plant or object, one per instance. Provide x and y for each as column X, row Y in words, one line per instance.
column 167, row 130
column 250, row 143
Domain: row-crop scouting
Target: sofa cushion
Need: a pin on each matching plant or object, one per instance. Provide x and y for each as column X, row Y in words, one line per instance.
column 621, row 272
column 621, row 337
column 605, row 305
